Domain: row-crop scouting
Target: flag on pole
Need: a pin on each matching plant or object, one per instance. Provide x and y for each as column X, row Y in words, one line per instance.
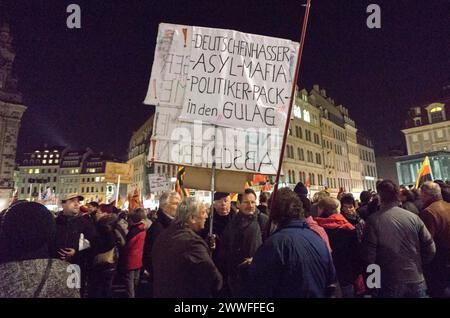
column 266, row 187
column 425, row 173
column 259, row 179
column 179, row 186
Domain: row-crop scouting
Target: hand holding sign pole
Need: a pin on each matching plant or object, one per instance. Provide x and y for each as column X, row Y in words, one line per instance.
column 288, row 118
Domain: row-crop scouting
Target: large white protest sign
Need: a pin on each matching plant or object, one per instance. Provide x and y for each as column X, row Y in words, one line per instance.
column 244, row 141
column 238, row 80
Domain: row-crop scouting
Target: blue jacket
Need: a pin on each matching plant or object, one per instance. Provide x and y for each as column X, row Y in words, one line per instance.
column 293, row 262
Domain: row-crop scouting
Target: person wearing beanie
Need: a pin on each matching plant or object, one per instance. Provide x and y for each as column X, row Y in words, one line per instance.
column 224, row 213
column 27, row 231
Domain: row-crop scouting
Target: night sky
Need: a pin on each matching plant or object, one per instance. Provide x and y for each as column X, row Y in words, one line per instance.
column 85, row 87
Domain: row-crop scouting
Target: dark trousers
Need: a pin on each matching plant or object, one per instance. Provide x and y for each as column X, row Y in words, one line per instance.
column 131, row 281
column 100, row 282
column 410, row 290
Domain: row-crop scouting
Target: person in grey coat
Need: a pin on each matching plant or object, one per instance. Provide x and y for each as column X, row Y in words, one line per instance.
column 399, row 243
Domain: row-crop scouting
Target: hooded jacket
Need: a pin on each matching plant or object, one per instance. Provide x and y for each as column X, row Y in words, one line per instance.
column 346, row 250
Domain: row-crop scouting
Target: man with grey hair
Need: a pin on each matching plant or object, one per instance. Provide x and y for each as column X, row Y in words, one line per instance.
column 168, row 204
column 182, row 264
column 436, row 216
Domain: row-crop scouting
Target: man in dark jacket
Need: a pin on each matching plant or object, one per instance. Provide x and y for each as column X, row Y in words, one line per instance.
column 362, row 210
column 70, row 226
column 223, row 214
column 294, row 261
column 436, row 216
column 168, row 203
column 242, row 237
column 75, row 236
column 398, row 241
column 182, row 265
column 263, row 206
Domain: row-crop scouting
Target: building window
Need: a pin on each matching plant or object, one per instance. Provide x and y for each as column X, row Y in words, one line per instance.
column 318, row 158
column 316, row 139
column 82, row 189
column 439, row 133
column 22, row 190
column 436, row 114
column 36, row 171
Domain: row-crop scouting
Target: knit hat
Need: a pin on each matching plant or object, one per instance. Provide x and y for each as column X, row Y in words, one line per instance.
column 300, row 189
column 27, row 227
column 220, row 195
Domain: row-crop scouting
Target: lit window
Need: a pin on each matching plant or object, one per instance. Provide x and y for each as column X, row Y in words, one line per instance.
column 45, row 156
column 44, row 161
column 36, row 171
column 306, row 116
column 50, row 161
column 436, row 109
column 38, row 156
column 56, row 161
column 30, row 170
column 102, row 179
column 297, row 112
column 97, row 179
column 51, row 156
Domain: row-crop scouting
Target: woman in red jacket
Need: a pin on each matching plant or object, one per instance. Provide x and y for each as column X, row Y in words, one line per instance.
column 133, row 250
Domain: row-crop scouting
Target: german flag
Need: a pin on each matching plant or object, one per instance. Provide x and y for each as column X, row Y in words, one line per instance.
column 424, row 173
column 179, row 186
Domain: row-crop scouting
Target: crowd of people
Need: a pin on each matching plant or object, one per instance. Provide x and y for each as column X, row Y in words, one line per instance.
column 291, row 245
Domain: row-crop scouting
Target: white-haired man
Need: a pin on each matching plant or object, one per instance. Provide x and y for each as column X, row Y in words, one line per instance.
column 436, row 216
column 182, row 264
column 168, row 204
